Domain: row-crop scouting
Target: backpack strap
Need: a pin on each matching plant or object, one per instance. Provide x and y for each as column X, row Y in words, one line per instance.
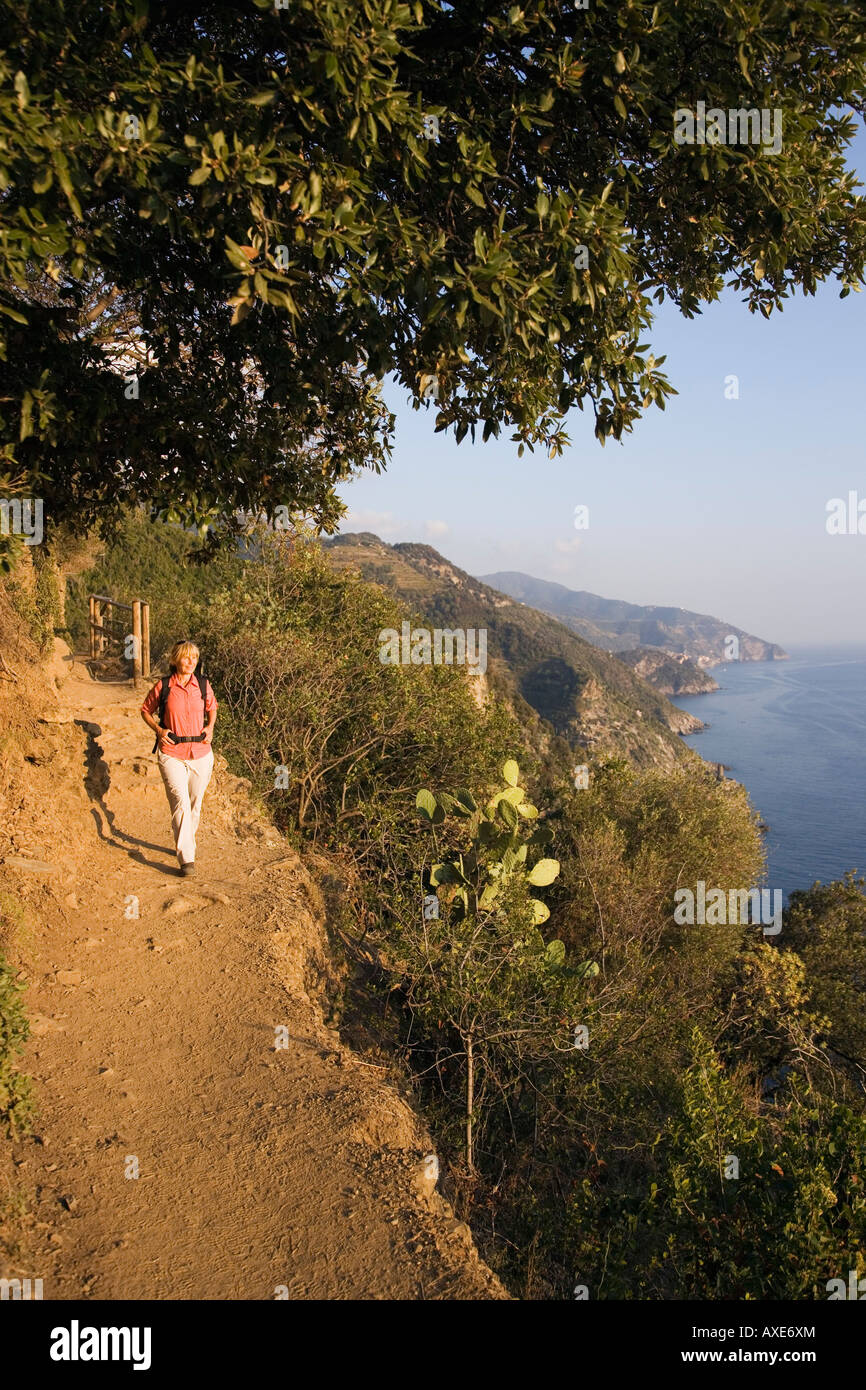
column 201, row 678
column 163, row 697
column 201, row 681
column 160, row 710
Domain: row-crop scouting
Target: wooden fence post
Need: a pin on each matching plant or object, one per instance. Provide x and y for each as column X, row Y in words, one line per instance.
column 136, row 642
column 145, row 640
column 100, row 628
column 92, row 628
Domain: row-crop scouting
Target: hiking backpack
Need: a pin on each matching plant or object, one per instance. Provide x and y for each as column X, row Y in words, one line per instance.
column 199, row 675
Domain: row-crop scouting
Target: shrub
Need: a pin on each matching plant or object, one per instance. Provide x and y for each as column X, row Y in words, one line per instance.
column 335, row 741
column 826, row 926
column 482, row 971
column 740, row 1202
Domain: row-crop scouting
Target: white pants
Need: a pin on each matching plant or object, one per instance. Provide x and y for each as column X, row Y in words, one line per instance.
column 185, row 782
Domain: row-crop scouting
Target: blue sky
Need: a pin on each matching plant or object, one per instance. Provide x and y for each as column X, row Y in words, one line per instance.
column 714, row 505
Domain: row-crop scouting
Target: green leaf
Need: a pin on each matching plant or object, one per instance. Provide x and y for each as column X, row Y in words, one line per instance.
column 489, row 834
column 543, row 873
column 446, row 873
column 283, row 300
column 540, row 912
column 26, row 416
column 514, row 795
column 65, row 181
column 587, row 969
column 555, row 952
column 243, row 307
column 200, row 175
column 511, row 772
column 489, row 896
column 425, row 802
column 236, row 255
column 465, row 799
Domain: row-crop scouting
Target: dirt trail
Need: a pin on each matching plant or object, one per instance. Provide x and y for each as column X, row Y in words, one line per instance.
column 153, row 1041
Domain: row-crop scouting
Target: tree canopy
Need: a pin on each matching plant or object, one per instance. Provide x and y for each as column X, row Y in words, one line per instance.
column 223, row 225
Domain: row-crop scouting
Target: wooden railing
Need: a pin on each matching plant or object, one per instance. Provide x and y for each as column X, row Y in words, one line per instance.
column 106, row 629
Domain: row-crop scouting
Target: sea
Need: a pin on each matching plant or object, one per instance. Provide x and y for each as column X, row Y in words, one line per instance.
column 794, row 733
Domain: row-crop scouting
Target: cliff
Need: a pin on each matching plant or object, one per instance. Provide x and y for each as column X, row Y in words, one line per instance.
column 667, row 672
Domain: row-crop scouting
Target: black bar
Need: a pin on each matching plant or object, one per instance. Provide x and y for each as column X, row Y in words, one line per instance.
column 602, row 1339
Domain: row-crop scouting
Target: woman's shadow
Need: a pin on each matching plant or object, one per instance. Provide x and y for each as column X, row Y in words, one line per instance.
column 97, row 780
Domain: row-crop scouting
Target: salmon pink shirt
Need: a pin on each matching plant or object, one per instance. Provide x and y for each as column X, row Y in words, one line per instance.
column 184, row 714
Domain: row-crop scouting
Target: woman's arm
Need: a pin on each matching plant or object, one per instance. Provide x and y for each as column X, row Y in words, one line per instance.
column 210, row 712
column 161, row 733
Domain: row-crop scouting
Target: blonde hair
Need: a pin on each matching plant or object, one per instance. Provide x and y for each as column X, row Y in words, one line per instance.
column 182, row 649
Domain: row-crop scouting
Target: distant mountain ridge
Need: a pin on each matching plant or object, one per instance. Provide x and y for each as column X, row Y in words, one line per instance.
column 543, row 669
column 619, row 626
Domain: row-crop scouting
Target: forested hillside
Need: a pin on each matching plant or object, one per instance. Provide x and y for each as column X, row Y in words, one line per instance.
column 588, row 697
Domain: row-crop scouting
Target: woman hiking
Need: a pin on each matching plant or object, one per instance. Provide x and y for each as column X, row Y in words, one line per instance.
column 185, row 754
